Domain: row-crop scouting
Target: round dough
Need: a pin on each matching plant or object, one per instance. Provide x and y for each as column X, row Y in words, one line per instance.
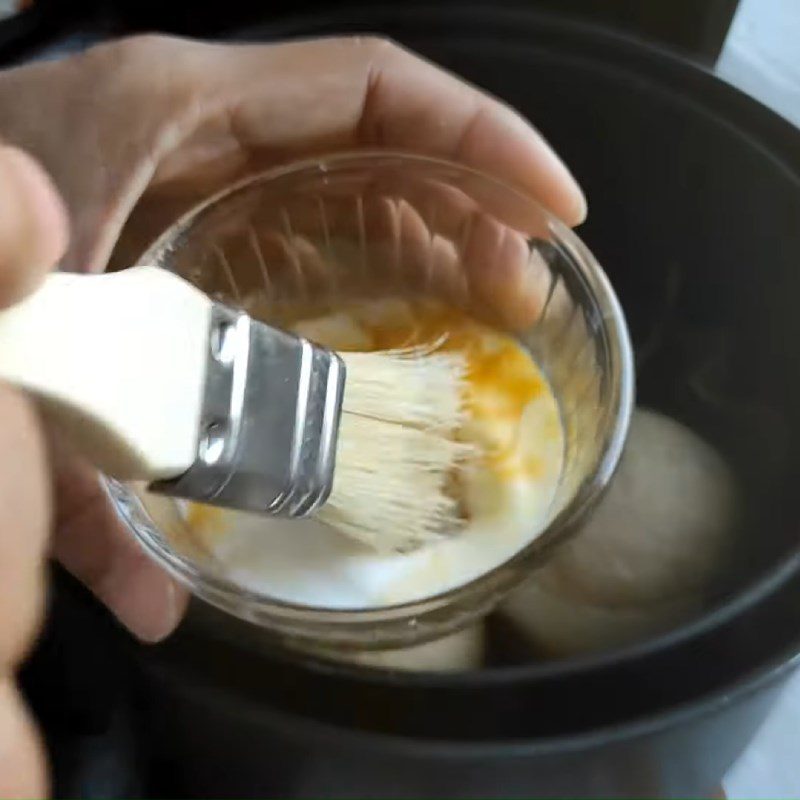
column 458, row 652
column 656, row 541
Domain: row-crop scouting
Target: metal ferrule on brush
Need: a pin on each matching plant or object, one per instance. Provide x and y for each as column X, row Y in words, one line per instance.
column 269, row 421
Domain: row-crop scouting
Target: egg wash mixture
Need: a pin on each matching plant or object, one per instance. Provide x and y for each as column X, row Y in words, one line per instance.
column 505, row 494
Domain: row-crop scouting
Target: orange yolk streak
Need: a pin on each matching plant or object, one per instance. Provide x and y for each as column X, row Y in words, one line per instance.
column 501, row 378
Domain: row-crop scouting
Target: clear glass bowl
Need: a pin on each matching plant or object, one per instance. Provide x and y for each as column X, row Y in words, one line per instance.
column 370, row 225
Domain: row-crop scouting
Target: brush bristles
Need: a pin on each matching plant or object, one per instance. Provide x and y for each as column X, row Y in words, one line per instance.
column 390, row 482
column 397, row 450
column 409, row 387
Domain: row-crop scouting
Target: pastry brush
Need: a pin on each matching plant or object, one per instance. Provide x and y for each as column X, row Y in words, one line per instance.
column 153, row 381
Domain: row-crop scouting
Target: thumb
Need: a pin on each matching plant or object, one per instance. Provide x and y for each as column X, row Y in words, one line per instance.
column 33, row 225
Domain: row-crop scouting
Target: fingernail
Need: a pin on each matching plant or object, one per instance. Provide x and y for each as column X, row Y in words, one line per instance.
column 163, row 616
column 581, row 209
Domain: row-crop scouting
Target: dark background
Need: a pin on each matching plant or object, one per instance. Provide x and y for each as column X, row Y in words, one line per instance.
column 695, row 27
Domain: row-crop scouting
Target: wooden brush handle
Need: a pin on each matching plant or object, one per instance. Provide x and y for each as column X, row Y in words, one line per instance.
column 117, row 363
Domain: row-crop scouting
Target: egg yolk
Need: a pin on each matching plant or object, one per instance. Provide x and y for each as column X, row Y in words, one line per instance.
column 203, row 519
column 502, row 379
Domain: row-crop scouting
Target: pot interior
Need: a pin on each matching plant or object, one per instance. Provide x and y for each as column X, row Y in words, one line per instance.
column 694, row 197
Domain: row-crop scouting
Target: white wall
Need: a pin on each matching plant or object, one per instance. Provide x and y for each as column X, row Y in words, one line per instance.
column 762, row 57
column 762, row 54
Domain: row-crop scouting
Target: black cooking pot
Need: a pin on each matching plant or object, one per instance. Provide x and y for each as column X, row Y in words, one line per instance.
column 695, row 214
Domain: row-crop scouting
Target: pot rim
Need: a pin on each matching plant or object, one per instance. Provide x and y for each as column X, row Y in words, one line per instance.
column 301, row 727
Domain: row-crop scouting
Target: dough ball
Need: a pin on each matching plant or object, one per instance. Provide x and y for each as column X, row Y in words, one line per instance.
column 557, row 626
column 457, row 652
column 642, row 562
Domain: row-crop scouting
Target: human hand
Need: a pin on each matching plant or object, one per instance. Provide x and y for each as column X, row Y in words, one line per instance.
column 138, row 130
column 170, row 121
column 33, row 235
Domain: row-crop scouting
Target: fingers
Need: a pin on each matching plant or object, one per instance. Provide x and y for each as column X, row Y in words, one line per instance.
column 22, row 765
column 190, row 117
column 342, row 93
column 91, row 542
column 412, row 104
column 97, row 142
column 33, row 234
column 33, row 227
column 24, row 523
column 289, row 254
column 338, row 94
column 334, row 94
column 215, row 112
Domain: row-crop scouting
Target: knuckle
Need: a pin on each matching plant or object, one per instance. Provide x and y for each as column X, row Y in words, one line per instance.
column 376, row 45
